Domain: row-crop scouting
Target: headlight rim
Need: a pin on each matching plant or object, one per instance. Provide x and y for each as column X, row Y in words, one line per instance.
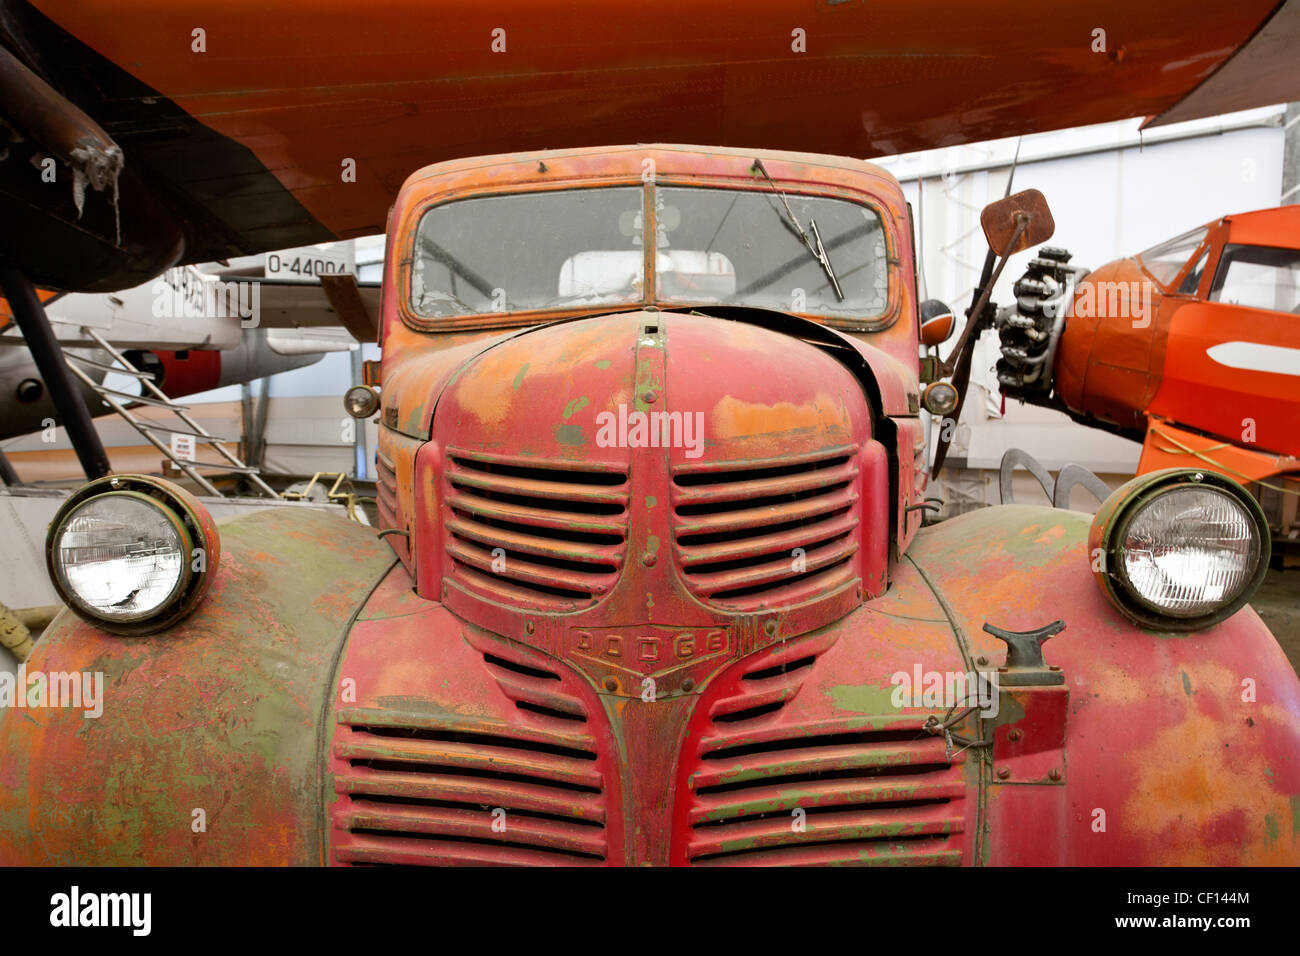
column 374, row 401
column 927, row 398
column 77, row 603
column 1118, row 511
column 198, row 531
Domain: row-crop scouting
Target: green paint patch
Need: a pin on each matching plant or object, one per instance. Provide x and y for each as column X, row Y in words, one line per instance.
column 519, row 377
column 1010, row 710
column 863, row 698
column 575, row 406
column 651, row 501
column 1187, row 684
column 1271, row 828
column 1295, row 818
column 652, row 544
column 603, row 364
column 570, row 435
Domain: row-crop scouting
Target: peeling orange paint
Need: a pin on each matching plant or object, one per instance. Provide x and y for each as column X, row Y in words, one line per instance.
column 1205, row 804
column 735, row 418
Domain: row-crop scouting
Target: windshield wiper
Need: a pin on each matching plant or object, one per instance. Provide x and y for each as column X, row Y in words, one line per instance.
column 813, row 243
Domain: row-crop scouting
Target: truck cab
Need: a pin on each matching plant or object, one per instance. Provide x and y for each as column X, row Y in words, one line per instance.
column 634, row 306
column 650, row 584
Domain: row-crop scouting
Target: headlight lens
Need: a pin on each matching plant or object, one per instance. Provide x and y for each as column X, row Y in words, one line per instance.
column 132, row 554
column 361, row 401
column 1179, row 549
column 121, row 556
column 1189, row 551
column 940, row 398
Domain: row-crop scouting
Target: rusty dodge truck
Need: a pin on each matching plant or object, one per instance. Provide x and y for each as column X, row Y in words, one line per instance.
column 652, row 584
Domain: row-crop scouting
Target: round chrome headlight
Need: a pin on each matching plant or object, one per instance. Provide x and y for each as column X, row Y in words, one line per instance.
column 132, row 554
column 361, row 401
column 939, row 398
column 1180, row 549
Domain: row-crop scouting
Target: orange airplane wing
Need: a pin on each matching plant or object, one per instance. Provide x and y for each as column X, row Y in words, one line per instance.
column 251, row 126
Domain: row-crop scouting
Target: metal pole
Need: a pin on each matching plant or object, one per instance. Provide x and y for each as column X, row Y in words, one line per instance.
column 245, row 420
column 1291, row 157
column 45, row 349
column 258, row 460
column 360, row 453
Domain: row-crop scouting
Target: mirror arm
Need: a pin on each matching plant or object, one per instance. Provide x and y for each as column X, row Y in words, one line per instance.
column 1022, row 222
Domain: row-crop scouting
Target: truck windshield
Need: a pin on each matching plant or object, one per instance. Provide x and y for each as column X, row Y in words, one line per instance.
column 580, row 248
column 518, row 252
column 750, row 236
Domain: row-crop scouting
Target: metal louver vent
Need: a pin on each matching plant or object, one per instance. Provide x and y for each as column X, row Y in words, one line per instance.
column 386, row 490
column 864, row 791
column 426, row 790
column 542, row 535
column 768, row 533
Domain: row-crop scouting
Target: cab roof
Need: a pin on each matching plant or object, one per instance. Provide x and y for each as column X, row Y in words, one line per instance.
column 670, row 160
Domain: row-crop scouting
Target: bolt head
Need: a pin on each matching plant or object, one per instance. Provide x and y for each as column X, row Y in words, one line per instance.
column 1003, row 773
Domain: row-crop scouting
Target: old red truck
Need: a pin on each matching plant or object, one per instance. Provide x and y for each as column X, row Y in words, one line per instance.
column 651, row 584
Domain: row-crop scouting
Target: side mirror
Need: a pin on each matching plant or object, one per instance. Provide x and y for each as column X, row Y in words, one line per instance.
column 1023, row 217
column 937, row 323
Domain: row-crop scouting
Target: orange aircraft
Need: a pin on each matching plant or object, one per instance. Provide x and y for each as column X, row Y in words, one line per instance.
column 1191, row 347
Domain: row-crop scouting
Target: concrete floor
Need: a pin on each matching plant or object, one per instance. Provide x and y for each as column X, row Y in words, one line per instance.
column 1278, row 603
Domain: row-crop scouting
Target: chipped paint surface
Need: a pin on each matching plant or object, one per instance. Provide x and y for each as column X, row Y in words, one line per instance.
column 220, row 713
column 823, row 415
column 1159, row 734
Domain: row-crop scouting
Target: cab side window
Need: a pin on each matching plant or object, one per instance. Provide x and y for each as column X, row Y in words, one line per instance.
column 1258, row 277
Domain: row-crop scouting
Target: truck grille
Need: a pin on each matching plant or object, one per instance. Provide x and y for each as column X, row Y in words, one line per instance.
column 386, row 490
column 873, row 791
column 767, row 533
column 549, row 536
column 424, row 790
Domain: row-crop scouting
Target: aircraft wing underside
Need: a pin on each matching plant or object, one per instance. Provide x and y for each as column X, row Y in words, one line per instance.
column 240, row 125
